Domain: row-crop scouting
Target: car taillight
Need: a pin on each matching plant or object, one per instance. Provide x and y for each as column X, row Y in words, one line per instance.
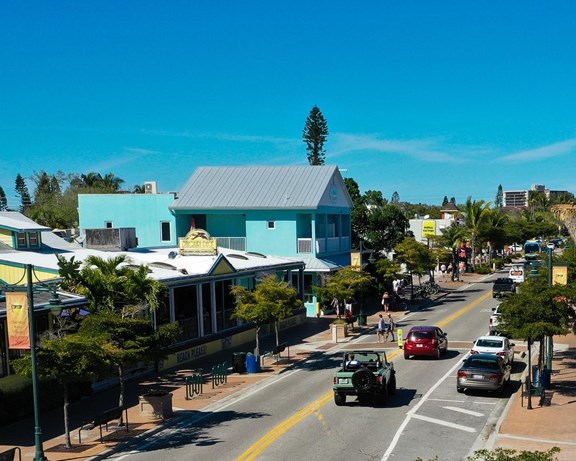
column 462, row 374
column 380, row 380
column 434, row 342
column 474, row 352
column 494, row 378
column 501, row 354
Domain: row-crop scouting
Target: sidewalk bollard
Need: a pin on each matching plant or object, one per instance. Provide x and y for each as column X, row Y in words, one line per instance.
column 400, row 338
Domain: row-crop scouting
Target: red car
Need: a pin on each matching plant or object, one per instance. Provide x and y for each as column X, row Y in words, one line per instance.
column 429, row 341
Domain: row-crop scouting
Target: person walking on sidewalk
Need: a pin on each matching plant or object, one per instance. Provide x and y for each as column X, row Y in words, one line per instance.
column 386, row 301
column 390, row 327
column 382, row 327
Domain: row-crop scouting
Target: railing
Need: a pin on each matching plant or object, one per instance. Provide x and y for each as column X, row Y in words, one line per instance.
column 233, row 243
column 324, row 245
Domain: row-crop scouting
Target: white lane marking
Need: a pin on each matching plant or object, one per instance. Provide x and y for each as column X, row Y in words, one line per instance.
column 477, row 402
column 466, row 412
column 409, row 415
column 444, row 423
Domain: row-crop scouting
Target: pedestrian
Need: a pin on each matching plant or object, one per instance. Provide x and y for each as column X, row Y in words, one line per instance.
column 395, row 285
column 382, row 327
column 443, row 270
column 386, row 301
column 449, row 271
column 390, row 328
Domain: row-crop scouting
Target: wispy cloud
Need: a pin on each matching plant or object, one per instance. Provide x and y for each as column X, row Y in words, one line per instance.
column 429, row 150
column 220, row 136
column 142, row 152
column 552, row 150
column 129, row 154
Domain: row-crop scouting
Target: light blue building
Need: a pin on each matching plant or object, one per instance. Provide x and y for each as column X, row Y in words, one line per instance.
column 300, row 212
column 149, row 213
column 296, row 212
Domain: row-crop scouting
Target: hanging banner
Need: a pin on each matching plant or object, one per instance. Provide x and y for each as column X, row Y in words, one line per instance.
column 559, row 274
column 17, row 320
column 356, row 259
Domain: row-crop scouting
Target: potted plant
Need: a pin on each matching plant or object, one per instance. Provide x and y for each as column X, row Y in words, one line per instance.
column 339, row 329
column 156, row 403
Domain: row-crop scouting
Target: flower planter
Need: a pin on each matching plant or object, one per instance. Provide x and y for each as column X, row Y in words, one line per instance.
column 156, row 406
column 339, row 331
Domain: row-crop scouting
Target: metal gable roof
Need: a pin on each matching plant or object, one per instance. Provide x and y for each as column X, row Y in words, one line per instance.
column 16, row 221
column 257, row 187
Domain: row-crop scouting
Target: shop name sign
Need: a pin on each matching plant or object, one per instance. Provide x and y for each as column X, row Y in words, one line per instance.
column 198, row 242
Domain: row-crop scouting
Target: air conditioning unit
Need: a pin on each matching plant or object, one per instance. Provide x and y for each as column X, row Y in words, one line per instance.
column 150, row 187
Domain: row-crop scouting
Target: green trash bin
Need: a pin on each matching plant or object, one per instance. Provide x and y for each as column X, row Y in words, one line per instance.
column 362, row 320
column 239, row 362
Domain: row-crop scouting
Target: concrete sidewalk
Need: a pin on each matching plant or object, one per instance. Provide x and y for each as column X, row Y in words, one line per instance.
column 519, row 428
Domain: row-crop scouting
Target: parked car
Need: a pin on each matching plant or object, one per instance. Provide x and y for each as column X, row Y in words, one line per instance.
column 498, row 345
column 494, row 322
column 486, row 372
column 428, row 341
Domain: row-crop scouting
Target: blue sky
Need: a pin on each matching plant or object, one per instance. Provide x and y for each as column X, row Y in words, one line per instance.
column 426, row 98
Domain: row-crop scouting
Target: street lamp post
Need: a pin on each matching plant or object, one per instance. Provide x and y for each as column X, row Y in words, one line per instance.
column 550, row 344
column 39, row 456
column 29, row 289
column 362, row 249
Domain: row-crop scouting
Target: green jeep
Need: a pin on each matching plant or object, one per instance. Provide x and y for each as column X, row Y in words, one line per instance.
column 365, row 374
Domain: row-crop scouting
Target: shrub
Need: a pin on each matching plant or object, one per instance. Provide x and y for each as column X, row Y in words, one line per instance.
column 483, row 270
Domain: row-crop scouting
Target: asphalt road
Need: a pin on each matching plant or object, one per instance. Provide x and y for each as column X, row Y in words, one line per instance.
column 293, row 416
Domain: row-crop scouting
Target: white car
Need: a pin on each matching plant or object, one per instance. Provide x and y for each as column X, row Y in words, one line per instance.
column 497, row 345
column 494, row 321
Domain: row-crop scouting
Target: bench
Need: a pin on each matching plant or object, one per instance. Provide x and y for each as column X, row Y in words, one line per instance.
column 10, row 455
column 277, row 351
column 102, row 419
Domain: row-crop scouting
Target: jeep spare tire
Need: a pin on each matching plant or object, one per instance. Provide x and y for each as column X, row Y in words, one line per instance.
column 363, row 380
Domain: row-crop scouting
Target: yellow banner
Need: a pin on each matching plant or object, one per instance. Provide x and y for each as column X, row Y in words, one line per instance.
column 17, row 320
column 559, row 275
column 356, row 259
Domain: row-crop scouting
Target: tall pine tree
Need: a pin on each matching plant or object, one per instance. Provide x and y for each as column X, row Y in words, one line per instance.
column 22, row 192
column 314, row 135
column 3, row 200
column 499, row 202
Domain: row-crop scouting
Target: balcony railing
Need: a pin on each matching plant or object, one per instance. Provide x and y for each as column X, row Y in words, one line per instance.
column 333, row 244
column 233, row 243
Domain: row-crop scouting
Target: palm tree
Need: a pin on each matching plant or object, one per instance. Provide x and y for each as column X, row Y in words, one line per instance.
column 112, row 182
column 475, row 213
column 452, row 237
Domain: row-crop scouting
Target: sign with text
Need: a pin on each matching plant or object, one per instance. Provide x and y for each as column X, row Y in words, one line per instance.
column 559, row 275
column 198, row 242
column 17, row 320
column 428, row 228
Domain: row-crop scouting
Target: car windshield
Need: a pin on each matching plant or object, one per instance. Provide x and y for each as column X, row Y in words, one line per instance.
column 421, row 335
column 482, row 363
column 489, row 343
